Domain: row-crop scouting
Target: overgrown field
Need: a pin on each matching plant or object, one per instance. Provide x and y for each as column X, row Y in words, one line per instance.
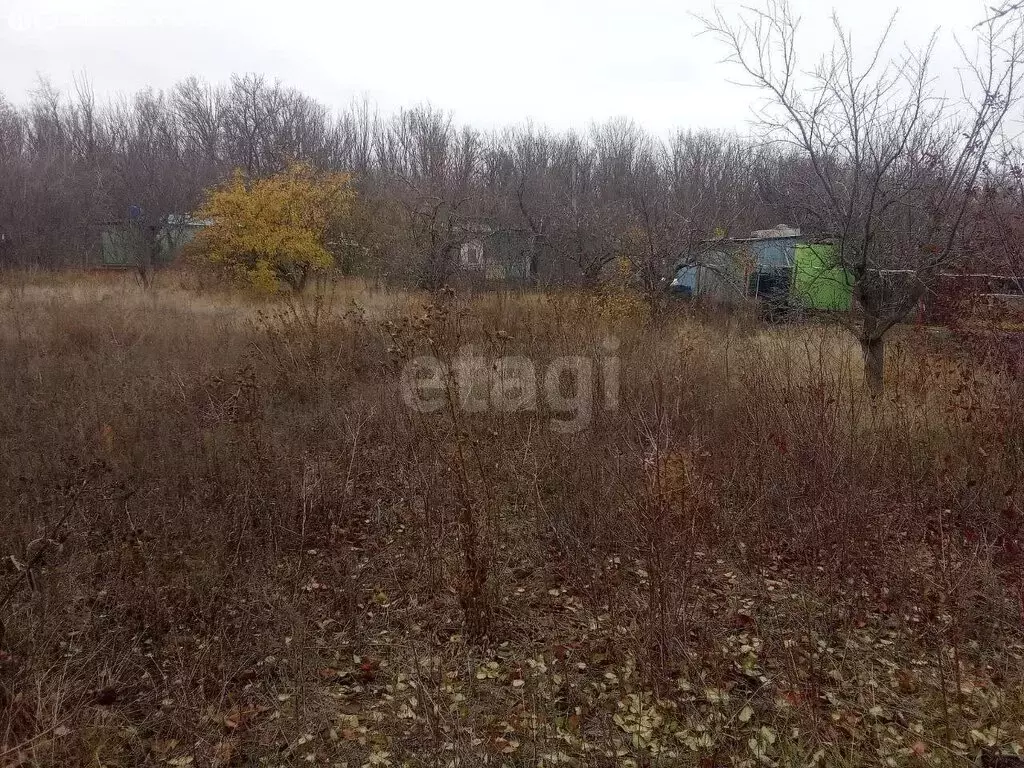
column 227, row 540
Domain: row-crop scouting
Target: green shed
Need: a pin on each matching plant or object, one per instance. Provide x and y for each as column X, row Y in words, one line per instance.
column 121, row 242
column 819, row 281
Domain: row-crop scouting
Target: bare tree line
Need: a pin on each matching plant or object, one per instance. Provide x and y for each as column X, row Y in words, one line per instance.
column 68, row 163
column 583, row 201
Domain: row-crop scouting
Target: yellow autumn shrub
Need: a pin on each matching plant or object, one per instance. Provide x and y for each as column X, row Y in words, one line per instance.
column 274, row 231
column 618, row 300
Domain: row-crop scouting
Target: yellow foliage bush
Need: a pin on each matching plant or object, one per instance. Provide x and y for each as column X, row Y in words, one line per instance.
column 274, row 230
column 618, row 300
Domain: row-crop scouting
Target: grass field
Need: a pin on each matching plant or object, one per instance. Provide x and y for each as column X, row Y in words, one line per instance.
column 227, row 540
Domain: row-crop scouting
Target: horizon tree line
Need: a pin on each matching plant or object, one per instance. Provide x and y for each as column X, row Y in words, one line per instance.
column 68, row 164
column 861, row 151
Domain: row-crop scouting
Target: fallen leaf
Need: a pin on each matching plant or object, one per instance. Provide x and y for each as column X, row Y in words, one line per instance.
column 223, row 753
column 239, row 718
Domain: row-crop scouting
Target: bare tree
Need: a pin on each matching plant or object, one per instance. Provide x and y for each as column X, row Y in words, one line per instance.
column 150, row 177
column 431, row 169
column 1005, row 9
column 199, row 112
column 518, row 180
column 586, row 218
column 12, row 143
column 714, row 185
column 996, row 221
column 894, row 163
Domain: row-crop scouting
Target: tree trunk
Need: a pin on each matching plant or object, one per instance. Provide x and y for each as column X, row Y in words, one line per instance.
column 295, row 275
column 874, row 363
column 302, row 279
column 148, row 249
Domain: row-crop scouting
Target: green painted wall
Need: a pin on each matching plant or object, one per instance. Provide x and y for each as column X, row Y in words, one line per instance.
column 818, row 282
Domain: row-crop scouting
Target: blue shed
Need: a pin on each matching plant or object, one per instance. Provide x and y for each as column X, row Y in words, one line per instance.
column 732, row 270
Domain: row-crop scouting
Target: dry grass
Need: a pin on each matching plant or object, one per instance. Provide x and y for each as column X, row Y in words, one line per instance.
column 245, row 550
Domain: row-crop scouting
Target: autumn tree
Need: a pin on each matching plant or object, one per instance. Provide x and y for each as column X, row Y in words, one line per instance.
column 278, row 229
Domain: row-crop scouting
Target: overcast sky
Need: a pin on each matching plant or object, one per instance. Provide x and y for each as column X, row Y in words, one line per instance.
column 560, row 63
